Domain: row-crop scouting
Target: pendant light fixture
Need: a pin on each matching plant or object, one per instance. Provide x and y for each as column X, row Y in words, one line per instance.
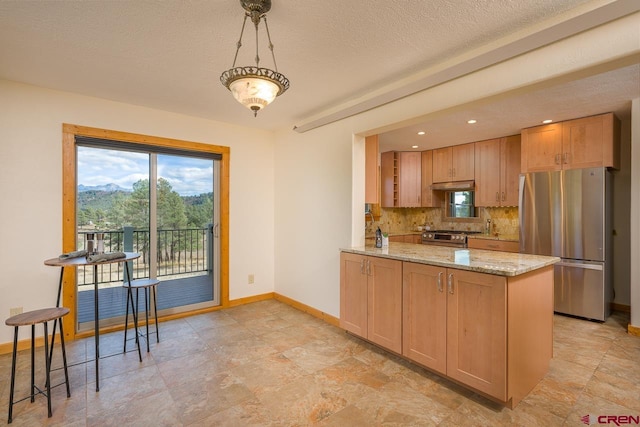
column 253, row 86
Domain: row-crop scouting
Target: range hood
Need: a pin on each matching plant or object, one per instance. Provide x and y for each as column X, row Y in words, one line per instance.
column 454, row 186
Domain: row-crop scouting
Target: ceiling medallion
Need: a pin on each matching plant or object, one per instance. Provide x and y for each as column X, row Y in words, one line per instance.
column 253, row 86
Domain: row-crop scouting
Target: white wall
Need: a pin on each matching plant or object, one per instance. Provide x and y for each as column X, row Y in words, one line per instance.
column 635, row 213
column 621, row 221
column 31, row 187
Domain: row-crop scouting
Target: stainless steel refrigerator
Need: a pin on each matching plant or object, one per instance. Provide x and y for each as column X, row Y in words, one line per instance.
column 568, row 214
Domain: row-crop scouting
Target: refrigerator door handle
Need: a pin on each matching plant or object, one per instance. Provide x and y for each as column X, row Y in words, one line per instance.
column 521, row 211
column 581, row 265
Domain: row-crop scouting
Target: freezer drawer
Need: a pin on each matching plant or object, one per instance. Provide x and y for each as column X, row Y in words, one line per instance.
column 580, row 289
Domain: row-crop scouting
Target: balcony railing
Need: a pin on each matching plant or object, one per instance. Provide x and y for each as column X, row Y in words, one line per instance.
column 180, row 252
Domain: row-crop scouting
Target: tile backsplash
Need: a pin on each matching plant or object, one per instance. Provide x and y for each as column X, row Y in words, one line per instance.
column 400, row 220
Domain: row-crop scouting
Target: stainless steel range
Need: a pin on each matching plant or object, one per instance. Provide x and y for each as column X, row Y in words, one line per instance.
column 450, row 238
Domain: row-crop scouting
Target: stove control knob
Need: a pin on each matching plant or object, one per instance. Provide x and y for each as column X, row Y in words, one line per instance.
column 430, row 236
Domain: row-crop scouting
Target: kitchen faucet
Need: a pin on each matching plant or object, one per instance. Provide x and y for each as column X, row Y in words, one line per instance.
column 372, row 219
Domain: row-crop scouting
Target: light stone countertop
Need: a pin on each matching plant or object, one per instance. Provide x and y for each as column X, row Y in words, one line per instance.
column 482, row 261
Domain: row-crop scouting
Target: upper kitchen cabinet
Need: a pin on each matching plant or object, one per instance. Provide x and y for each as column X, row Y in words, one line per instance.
column 581, row 143
column 591, row 142
column 401, row 176
column 430, row 198
column 371, row 170
column 454, row 163
column 496, row 171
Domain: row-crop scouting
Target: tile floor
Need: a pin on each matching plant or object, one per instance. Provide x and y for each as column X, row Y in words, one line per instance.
column 267, row 364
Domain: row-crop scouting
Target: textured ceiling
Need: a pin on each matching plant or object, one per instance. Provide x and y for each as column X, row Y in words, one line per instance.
column 169, row 54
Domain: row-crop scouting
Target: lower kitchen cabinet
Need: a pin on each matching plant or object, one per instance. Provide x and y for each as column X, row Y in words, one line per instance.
column 491, row 333
column 455, row 323
column 494, row 245
column 406, row 238
column 371, row 299
column 424, row 326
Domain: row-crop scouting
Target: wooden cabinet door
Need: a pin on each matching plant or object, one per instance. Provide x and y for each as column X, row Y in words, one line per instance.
column 424, row 324
column 509, row 170
column 385, row 302
column 430, row 199
column 410, row 179
column 353, row 294
column 388, row 180
column 462, row 162
column 487, row 172
column 587, row 142
column 477, row 331
column 441, row 165
column 371, row 170
column 541, row 148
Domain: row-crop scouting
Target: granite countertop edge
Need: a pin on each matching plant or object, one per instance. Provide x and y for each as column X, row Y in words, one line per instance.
column 491, row 262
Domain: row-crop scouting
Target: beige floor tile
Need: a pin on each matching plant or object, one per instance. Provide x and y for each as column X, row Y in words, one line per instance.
column 268, row 364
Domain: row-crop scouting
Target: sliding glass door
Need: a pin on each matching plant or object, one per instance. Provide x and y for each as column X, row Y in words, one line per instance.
column 172, row 224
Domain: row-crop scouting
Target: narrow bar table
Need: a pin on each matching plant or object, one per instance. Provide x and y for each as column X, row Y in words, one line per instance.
column 81, row 262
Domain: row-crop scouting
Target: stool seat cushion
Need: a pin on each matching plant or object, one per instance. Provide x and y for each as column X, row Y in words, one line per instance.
column 142, row 283
column 37, row 316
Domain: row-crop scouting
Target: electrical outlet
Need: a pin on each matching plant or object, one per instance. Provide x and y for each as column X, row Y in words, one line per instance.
column 15, row 311
column 251, row 279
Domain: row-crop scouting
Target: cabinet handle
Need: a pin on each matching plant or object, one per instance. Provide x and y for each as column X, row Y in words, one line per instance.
column 368, row 267
column 362, row 266
column 557, row 159
column 450, row 175
column 440, row 281
column 503, row 196
column 497, row 197
column 454, row 172
column 565, row 157
column 450, row 283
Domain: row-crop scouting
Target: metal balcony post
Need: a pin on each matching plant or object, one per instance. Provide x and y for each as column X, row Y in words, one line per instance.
column 127, row 244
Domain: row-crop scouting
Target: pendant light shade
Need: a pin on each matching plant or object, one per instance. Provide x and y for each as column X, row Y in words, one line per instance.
column 253, row 86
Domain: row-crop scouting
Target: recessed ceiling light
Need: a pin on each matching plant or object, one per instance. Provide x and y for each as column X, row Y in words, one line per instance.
column 472, row 121
column 547, row 121
column 414, row 146
column 421, row 132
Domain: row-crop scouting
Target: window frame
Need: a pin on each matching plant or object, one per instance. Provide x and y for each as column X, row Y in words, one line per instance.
column 69, row 219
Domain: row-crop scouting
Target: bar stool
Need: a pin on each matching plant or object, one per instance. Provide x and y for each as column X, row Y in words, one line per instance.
column 137, row 285
column 31, row 318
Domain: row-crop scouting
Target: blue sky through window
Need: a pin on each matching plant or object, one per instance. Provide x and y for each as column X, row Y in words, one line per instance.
column 188, row 176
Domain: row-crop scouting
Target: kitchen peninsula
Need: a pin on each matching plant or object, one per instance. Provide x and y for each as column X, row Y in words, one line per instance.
column 483, row 319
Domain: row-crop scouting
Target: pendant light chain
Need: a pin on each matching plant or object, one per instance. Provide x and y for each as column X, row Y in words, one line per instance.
column 270, row 44
column 257, row 55
column 239, row 44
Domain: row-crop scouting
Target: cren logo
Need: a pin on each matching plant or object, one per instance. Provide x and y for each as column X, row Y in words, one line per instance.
column 617, row 420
